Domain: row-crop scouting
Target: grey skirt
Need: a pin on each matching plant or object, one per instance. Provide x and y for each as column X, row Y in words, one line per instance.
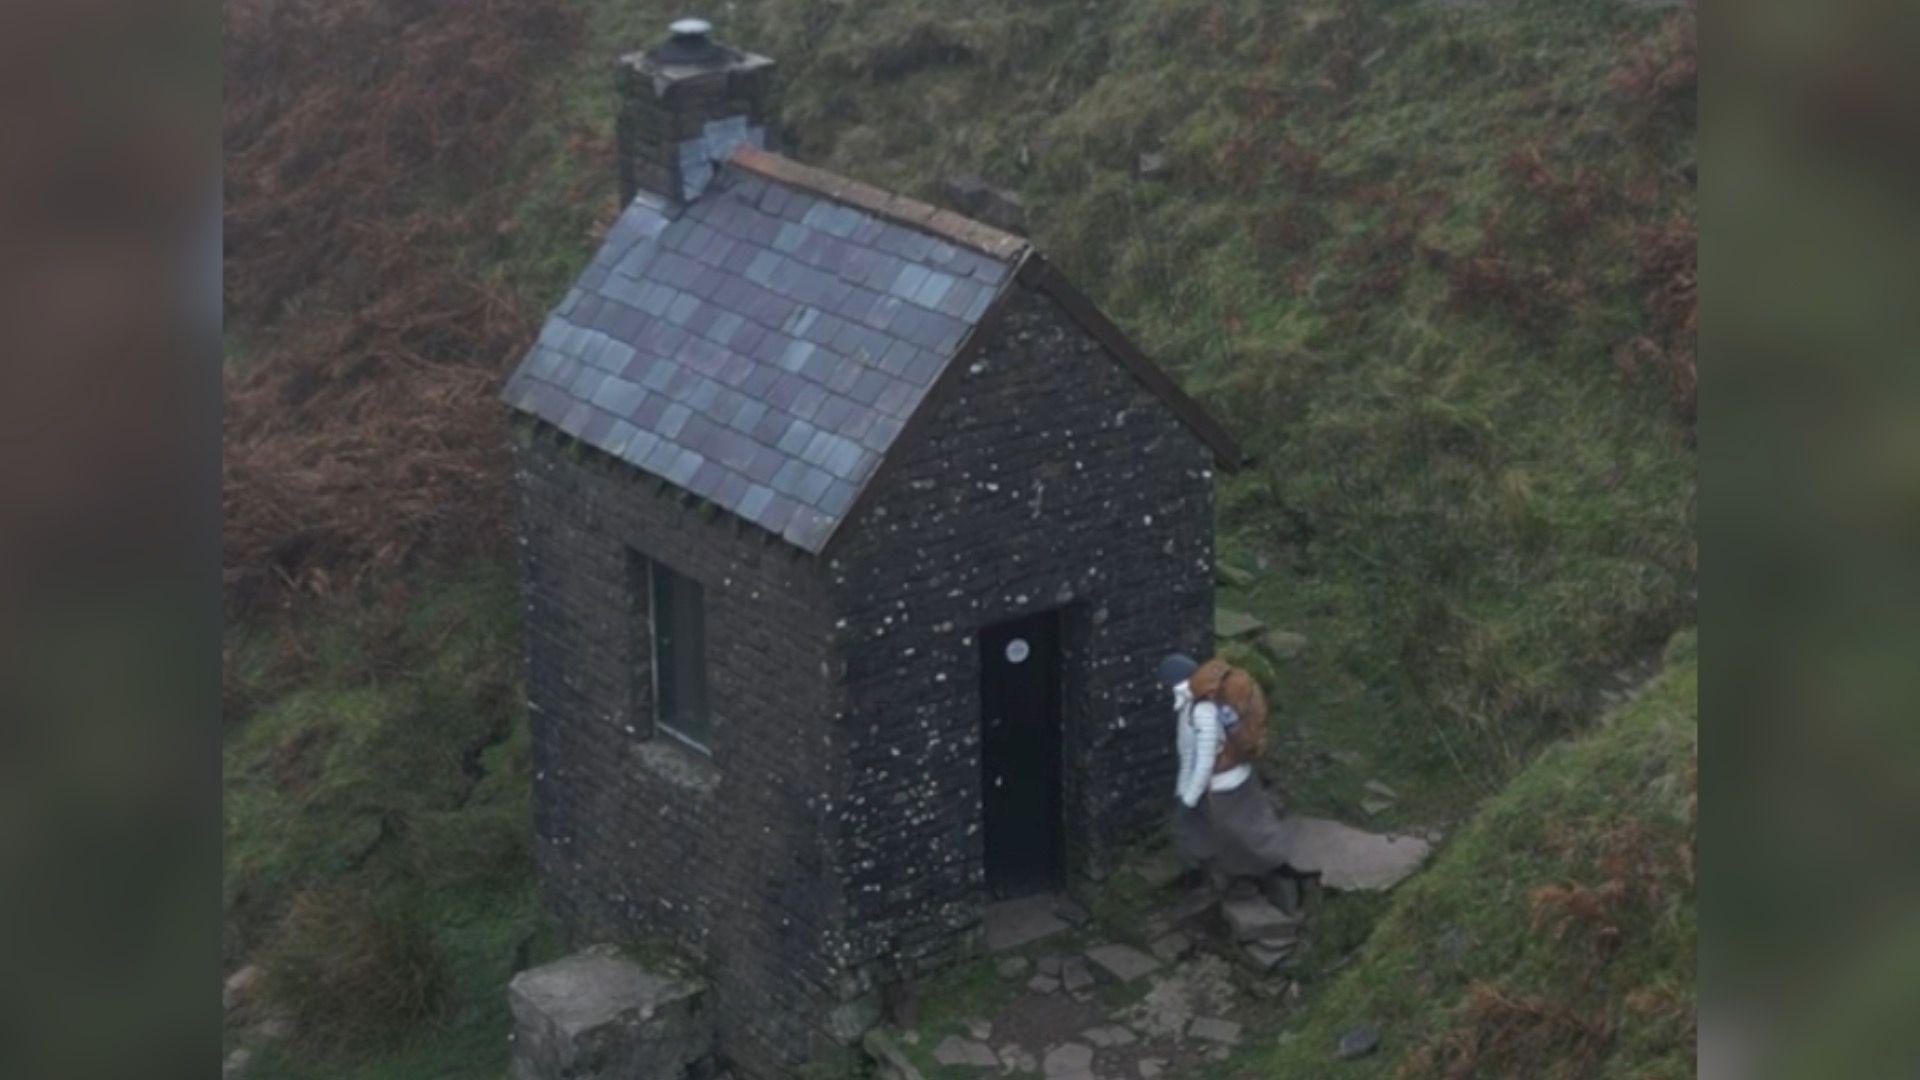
column 1236, row 832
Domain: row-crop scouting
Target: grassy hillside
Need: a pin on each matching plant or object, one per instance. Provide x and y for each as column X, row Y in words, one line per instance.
column 1431, row 261
column 377, row 828
column 1556, row 936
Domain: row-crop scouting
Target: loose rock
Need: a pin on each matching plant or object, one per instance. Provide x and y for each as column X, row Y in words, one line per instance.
column 1017, row 1058
column 893, row 1060
column 954, row 1050
column 1151, row 1068
column 1075, row 976
column 1043, row 984
column 1172, row 946
column 240, row 986
column 1282, row 644
column 1215, row 1030
column 1359, row 1042
column 1068, row 1060
column 1228, row 623
column 1228, row 574
column 1013, row 967
column 1159, row 869
column 1153, row 166
column 1112, row 1035
column 1265, row 956
column 1123, row 962
column 1253, row 919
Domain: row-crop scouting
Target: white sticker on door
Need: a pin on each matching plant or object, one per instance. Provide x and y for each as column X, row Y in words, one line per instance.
column 1017, row 650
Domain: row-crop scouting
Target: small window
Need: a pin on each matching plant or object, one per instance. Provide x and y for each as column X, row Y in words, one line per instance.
column 678, row 621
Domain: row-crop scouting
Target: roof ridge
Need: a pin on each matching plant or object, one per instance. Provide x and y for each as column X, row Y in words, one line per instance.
column 898, row 209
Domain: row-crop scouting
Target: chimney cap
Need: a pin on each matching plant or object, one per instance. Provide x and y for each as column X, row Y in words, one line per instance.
column 690, row 44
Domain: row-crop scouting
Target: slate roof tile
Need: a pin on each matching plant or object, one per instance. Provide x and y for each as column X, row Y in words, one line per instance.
column 762, row 345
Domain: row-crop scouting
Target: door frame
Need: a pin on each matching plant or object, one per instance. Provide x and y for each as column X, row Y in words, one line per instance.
column 1070, row 627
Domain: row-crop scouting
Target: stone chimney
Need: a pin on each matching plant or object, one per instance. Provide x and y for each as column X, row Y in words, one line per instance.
column 684, row 105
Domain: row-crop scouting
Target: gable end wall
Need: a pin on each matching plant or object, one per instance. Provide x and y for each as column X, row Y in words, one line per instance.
column 1048, row 477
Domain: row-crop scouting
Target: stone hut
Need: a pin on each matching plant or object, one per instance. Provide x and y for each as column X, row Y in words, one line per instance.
column 852, row 534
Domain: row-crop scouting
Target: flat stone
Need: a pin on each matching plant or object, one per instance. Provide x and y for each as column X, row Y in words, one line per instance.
column 1253, row 919
column 1075, row 976
column 1124, row 962
column 881, row 1047
column 597, row 1014
column 1153, row 166
column 1111, row 1035
column 1013, row 967
column 1349, row 858
column 1282, row 644
column 1192, row 906
column 1068, row 1060
column 1227, row 573
column 1374, row 805
column 980, row 1029
column 1158, row 869
column 240, row 986
column 1266, row 956
column 1151, row 1068
column 1017, row 1058
column 954, row 1050
column 1214, row 1030
column 1049, row 965
column 1357, row 1042
column 1072, row 911
column 1043, row 984
column 1228, row 623
column 1381, row 790
column 1011, row 924
column 1171, row 946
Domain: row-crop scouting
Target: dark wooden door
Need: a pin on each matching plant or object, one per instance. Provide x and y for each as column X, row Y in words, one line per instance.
column 1020, row 753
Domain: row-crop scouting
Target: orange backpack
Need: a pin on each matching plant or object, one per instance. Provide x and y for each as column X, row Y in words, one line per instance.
column 1223, row 684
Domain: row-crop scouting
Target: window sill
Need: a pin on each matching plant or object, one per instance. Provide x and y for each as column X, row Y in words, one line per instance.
column 677, row 763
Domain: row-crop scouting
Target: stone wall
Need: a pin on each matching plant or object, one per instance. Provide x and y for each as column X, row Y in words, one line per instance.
column 637, row 835
column 1050, row 479
column 832, row 843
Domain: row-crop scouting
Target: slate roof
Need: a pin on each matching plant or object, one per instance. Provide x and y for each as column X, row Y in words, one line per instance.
column 763, row 345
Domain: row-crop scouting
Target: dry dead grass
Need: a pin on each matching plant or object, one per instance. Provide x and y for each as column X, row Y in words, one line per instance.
column 363, row 141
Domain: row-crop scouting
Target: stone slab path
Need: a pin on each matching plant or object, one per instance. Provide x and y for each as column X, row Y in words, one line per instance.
column 1011, row 924
column 1175, row 990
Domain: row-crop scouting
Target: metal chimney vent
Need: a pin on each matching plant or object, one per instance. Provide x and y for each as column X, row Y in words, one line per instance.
column 690, row 43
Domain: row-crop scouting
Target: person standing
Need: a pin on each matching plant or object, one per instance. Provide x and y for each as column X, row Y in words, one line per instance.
column 1224, row 823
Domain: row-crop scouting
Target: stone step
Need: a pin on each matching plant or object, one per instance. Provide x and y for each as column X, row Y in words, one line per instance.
column 1254, row 919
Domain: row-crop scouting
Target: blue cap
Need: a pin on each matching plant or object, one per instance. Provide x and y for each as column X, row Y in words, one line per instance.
column 1175, row 669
